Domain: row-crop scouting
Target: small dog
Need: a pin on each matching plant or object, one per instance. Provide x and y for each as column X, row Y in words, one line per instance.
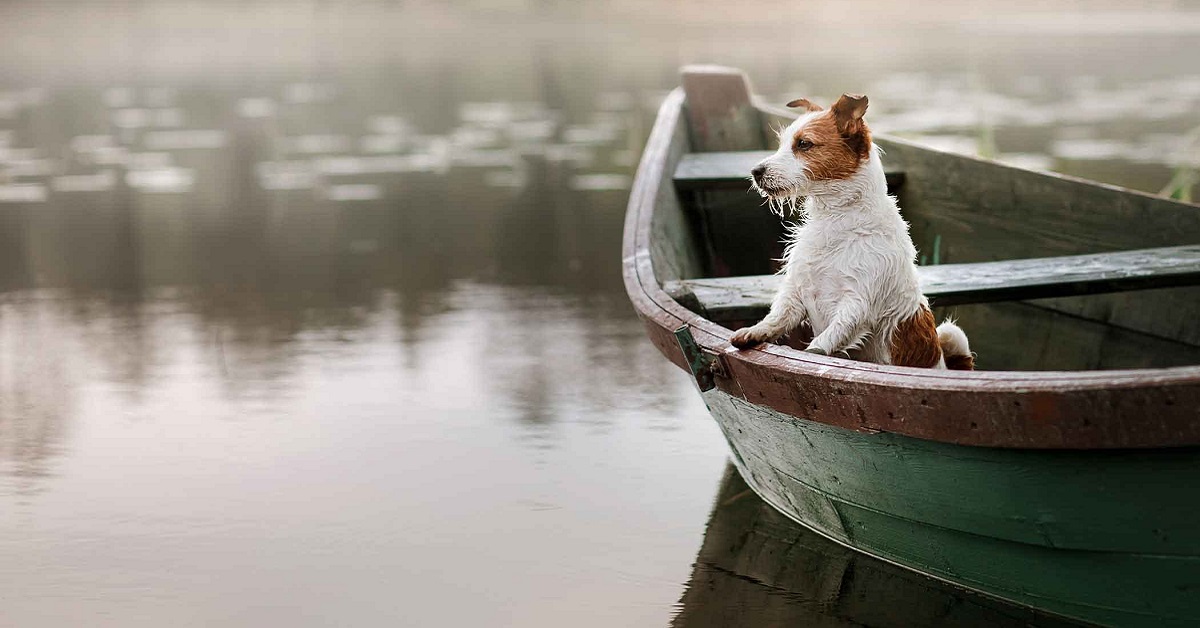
column 849, row 267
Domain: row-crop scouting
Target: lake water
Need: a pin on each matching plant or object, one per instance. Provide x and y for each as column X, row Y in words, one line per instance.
column 311, row 313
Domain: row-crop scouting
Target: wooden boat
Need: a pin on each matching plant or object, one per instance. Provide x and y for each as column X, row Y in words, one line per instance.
column 756, row 567
column 1064, row 477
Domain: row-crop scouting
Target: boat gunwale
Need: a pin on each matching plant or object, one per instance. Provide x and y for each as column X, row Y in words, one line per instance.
column 660, row 309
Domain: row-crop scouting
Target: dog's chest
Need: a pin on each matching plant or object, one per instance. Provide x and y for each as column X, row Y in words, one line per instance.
column 834, row 263
column 824, row 281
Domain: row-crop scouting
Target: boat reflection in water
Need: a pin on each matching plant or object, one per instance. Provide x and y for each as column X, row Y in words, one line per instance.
column 759, row 568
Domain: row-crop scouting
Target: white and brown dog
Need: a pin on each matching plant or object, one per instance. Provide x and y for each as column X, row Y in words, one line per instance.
column 850, row 267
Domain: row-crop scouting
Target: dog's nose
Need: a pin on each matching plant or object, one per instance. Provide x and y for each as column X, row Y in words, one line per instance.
column 758, row 172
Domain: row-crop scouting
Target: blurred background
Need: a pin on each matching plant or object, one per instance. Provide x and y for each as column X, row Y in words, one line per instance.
column 311, row 312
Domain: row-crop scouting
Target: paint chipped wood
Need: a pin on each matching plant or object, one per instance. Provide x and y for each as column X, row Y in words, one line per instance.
column 984, row 517
column 757, row 564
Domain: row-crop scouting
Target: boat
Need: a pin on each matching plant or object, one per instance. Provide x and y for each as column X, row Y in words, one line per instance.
column 1064, row 475
column 756, row 567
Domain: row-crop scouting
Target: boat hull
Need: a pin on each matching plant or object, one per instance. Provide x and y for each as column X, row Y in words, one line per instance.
column 1102, row 536
column 757, row 567
column 1068, row 491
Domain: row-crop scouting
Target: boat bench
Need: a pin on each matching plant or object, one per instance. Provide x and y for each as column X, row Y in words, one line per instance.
column 731, row 171
column 747, row 298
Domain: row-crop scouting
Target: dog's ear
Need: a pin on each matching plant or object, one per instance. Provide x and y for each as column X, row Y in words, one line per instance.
column 848, row 112
column 805, row 103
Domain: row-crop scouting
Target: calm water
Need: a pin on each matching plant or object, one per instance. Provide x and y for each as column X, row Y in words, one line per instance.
column 311, row 314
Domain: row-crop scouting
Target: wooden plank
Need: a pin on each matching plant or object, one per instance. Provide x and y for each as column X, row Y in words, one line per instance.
column 727, row 298
column 724, row 169
column 720, row 115
column 731, row 170
column 1064, row 342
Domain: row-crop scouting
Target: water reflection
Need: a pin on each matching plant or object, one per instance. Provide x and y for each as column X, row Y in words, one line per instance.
column 276, row 219
column 36, row 393
column 759, row 568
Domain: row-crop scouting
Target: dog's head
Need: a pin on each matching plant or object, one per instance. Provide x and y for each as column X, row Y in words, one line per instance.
column 822, row 145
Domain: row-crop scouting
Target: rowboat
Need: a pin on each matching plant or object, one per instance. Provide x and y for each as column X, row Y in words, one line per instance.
column 1064, row 475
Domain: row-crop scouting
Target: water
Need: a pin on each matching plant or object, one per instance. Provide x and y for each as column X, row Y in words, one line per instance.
column 311, row 314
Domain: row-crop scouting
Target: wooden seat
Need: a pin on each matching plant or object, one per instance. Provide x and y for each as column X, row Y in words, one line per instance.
column 745, row 298
column 731, row 170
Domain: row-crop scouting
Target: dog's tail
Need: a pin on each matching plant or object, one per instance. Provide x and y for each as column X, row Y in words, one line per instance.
column 955, row 350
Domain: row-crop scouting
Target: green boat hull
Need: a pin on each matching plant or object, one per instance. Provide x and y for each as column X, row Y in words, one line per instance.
column 756, row 567
column 1104, row 536
column 1038, row 481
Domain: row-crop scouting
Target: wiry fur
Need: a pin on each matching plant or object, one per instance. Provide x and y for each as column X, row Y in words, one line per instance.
column 849, row 267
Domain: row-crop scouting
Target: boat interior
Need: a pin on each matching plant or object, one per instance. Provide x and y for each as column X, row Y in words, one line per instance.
column 1043, row 272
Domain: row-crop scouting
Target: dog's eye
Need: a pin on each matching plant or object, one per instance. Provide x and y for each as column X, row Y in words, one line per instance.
column 803, row 144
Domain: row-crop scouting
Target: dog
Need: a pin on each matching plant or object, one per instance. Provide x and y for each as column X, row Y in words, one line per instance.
column 849, row 266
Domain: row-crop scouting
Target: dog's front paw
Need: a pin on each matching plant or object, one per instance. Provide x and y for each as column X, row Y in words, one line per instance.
column 747, row 337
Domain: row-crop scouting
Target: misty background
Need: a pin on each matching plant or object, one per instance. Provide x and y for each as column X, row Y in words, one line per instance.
column 311, row 312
